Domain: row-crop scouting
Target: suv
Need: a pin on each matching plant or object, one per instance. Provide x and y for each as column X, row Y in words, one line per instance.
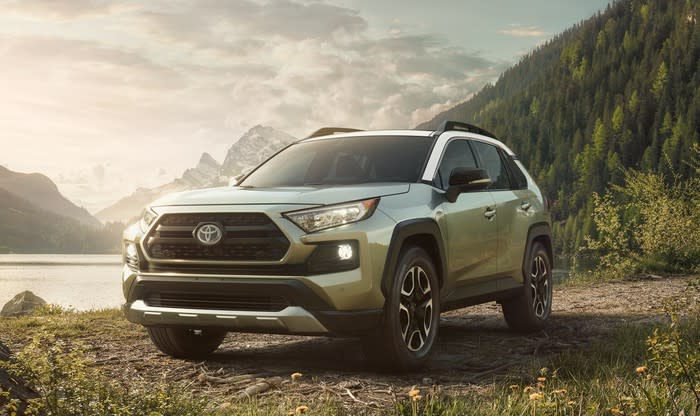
column 346, row 233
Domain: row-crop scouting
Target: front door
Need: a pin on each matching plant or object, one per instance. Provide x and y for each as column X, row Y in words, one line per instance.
column 472, row 232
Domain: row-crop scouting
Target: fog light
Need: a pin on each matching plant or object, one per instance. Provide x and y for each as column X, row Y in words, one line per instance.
column 334, row 256
column 131, row 254
column 345, row 252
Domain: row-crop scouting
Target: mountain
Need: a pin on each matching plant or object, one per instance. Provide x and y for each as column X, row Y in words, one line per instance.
column 129, row 207
column 28, row 228
column 619, row 90
column 41, row 192
column 253, row 147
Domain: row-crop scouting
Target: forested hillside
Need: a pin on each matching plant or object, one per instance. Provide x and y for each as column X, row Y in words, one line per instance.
column 621, row 89
column 26, row 228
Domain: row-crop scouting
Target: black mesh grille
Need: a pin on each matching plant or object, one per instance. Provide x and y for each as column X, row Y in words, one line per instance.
column 247, row 237
column 217, row 302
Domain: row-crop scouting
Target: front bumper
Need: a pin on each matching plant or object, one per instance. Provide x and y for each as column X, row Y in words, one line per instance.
column 153, row 301
column 342, row 302
column 293, row 319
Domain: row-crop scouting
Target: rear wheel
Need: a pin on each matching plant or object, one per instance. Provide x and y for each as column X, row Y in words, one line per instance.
column 411, row 319
column 529, row 310
column 186, row 343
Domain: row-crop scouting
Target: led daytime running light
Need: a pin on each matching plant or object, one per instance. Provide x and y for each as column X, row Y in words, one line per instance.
column 317, row 219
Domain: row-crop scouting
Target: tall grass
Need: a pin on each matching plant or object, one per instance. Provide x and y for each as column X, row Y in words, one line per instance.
column 638, row 370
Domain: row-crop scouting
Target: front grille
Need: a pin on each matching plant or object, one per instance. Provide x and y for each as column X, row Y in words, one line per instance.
column 247, row 237
column 217, row 302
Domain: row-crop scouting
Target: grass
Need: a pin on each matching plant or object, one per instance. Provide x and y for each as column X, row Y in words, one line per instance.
column 639, row 370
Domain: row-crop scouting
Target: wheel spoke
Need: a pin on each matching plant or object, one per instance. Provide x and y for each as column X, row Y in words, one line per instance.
column 427, row 316
column 409, row 283
column 415, row 340
column 423, row 282
column 543, row 267
column 535, row 272
column 404, row 320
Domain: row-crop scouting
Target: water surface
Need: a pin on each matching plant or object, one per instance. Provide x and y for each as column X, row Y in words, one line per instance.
column 80, row 281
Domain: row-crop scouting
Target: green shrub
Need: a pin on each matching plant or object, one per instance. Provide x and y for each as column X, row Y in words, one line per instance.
column 69, row 385
column 650, row 223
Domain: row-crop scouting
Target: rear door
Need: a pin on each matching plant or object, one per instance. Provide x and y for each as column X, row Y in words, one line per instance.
column 513, row 206
column 471, row 234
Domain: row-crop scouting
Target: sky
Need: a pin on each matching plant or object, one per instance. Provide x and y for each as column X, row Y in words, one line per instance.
column 105, row 96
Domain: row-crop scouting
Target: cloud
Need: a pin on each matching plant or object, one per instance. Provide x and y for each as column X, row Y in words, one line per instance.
column 157, row 83
column 521, row 32
column 66, row 9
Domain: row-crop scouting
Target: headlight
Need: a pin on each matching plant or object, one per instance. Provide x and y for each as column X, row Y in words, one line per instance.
column 147, row 219
column 131, row 254
column 316, row 219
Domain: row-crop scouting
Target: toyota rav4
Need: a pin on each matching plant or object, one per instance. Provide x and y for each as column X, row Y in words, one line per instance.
column 368, row 234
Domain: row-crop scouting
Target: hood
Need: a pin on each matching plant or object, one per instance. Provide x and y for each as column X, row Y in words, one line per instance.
column 293, row 195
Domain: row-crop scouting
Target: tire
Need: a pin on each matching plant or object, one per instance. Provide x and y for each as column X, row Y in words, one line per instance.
column 186, row 343
column 528, row 311
column 405, row 338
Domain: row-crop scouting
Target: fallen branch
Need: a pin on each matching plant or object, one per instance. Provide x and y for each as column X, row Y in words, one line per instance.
column 259, row 387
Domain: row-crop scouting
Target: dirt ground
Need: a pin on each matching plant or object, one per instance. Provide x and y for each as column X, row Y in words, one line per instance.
column 474, row 348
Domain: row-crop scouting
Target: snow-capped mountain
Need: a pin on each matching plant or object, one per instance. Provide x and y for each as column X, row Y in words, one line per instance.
column 253, row 147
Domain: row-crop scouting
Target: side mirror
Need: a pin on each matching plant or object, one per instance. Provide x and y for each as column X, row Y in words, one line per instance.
column 465, row 180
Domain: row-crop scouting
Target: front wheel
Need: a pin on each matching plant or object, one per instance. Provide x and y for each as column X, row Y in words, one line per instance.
column 528, row 311
column 186, row 343
column 405, row 340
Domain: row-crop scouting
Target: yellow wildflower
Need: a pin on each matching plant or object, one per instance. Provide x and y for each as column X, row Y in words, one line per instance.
column 536, row 397
column 296, row 376
column 413, row 392
column 561, row 392
column 641, row 370
column 416, row 397
column 302, row 409
column 528, row 389
column 541, row 379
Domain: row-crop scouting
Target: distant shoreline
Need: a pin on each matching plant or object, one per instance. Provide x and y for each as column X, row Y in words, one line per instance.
column 57, row 263
column 59, row 259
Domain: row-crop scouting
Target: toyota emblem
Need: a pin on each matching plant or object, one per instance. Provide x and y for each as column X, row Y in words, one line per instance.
column 208, row 234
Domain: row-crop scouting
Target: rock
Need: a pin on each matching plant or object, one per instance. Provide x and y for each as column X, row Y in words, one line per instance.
column 23, row 304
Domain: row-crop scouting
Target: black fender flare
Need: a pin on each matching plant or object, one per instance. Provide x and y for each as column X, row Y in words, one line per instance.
column 402, row 232
column 537, row 230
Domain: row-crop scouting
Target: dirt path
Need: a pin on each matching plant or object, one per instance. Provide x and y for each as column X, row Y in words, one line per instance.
column 474, row 347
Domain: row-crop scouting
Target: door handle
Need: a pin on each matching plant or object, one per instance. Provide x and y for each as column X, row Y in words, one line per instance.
column 524, row 205
column 489, row 213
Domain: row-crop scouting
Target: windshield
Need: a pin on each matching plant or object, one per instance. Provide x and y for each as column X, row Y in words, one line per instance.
column 344, row 161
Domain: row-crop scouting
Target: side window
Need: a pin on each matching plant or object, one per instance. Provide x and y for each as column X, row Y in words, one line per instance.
column 457, row 155
column 490, row 159
column 517, row 174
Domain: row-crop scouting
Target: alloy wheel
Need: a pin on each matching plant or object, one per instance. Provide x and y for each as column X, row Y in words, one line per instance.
column 416, row 308
column 540, row 286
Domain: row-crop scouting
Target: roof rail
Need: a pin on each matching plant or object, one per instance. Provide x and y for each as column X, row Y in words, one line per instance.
column 456, row 125
column 325, row 131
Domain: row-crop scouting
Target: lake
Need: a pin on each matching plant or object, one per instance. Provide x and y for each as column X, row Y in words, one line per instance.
column 76, row 281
